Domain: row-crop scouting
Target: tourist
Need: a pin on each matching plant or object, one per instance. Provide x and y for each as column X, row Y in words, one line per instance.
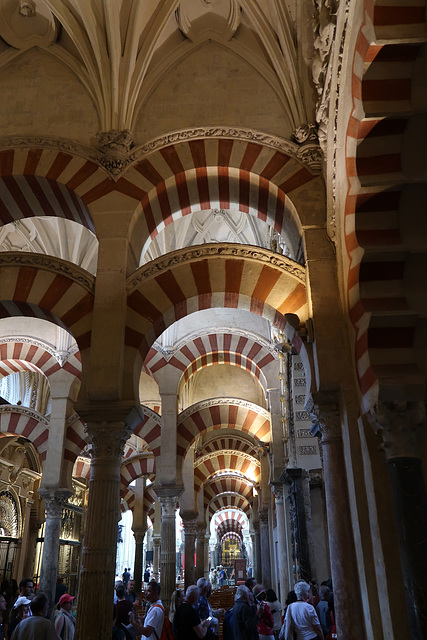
column 36, row 627
column 122, row 607
column 245, row 620
column 302, row 616
column 276, row 611
column 126, row 577
column 3, row 606
column 323, row 610
column 205, row 610
column 265, row 624
column 153, row 623
column 176, row 600
column 65, row 623
column 26, row 588
column 20, row 611
column 187, row 623
column 147, row 575
column 131, row 595
column 61, row 588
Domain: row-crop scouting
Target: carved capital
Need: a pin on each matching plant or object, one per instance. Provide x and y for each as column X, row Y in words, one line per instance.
column 325, row 415
column 397, row 423
column 190, row 528
column 263, row 518
column 256, row 526
column 115, row 147
column 168, row 504
column 54, row 501
column 156, row 542
column 107, row 439
column 200, row 531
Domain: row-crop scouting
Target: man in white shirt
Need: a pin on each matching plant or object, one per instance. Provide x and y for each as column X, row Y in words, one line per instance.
column 153, row 623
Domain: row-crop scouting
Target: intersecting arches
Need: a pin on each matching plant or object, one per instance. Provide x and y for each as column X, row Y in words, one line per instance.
column 228, row 500
column 227, row 483
column 209, row 465
column 206, row 277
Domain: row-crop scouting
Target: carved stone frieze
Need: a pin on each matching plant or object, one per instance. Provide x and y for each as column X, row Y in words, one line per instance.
column 7, row 408
column 61, row 356
column 307, row 450
column 398, row 424
column 116, row 150
column 48, row 263
column 107, row 439
column 204, row 251
column 206, row 404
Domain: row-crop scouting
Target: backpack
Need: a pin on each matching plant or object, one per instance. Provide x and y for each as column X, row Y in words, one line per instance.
column 167, row 633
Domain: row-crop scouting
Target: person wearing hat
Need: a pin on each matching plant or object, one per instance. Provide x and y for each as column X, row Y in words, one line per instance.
column 65, row 623
column 21, row 610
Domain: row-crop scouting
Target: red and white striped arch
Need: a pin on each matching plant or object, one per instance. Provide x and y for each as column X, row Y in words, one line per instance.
column 235, row 442
column 25, row 356
column 226, row 521
column 206, row 277
column 230, row 535
column 247, row 417
column 378, row 310
column 149, row 429
column 28, row 424
column 81, row 468
column 205, row 468
column 136, row 467
column 76, row 440
column 41, row 292
column 227, row 484
column 212, row 187
column 227, row 501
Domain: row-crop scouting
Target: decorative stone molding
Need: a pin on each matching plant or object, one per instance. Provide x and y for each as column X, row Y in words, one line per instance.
column 14, row 29
column 398, row 424
column 168, row 503
column 241, row 133
column 214, row 250
column 61, row 356
column 54, row 500
column 27, row 8
column 206, row 404
column 50, row 264
column 304, row 433
column 307, row 450
column 325, row 414
column 115, row 147
column 107, row 439
column 198, row 28
column 9, row 408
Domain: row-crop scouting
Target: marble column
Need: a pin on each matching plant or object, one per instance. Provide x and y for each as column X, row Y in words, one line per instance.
column 347, row 598
column 139, row 535
column 98, row 559
column 398, row 426
column 257, row 553
column 189, row 541
column 296, row 478
column 265, row 549
column 168, row 546
column 282, row 542
column 206, row 553
column 24, row 550
column 156, row 558
column 54, row 500
column 200, row 550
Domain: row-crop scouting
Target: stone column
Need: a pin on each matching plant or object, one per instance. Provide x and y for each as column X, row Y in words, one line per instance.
column 98, row 560
column 24, row 550
column 139, row 535
column 296, row 478
column 347, row 599
column 206, row 554
column 212, row 554
column 156, row 558
column 265, row 548
column 257, row 553
column 54, row 501
column 168, row 546
column 282, row 541
column 189, row 541
column 200, row 550
column 398, row 424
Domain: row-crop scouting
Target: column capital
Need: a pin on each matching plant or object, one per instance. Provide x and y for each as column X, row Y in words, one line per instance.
column 156, row 542
column 168, row 503
column 263, row 517
column 108, row 438
column 200, row 531
column 54, row 501
column 278, row 491
column 325, row 414
column 398, row 423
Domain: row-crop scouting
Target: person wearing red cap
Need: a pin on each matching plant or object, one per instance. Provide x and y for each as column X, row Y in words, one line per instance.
column 65, row 623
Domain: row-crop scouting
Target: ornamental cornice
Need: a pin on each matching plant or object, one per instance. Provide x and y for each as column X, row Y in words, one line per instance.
column 215, row 402
column 60, row 356
column 215, row 454
column 10, row 408
column 200, row 252
column 50, row 264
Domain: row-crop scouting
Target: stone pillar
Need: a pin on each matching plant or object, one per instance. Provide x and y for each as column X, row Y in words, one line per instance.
column 139, row 526
column 265, row 549
column 347, row 599
column 156, row 558
column 206, row 554
column 54, row 501
column 212, row 553
column 397, row 424
column 139, row 535
column 296, row 479
column 257, row 554
column 189, row 540
column 168, row 546
column 98, row 560
column 200, row 550
column 283, row 547
column 24, row 550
